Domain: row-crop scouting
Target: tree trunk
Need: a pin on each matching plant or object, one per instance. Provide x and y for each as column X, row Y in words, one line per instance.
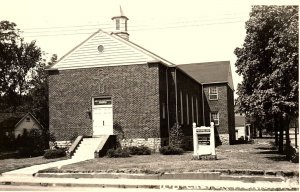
column 275, row 128
column 296, row 139
column 280, row 127
column 260, row 131
column 254, row 130
column 287, row 138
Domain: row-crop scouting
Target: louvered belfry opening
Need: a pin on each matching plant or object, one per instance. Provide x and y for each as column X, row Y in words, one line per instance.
column 121, row 25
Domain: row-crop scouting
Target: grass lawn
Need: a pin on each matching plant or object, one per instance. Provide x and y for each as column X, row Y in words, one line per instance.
column 18, row 163
column 257, row 156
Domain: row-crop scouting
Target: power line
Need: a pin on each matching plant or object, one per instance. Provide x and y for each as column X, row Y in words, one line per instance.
column 106, row 26
column 60, row 33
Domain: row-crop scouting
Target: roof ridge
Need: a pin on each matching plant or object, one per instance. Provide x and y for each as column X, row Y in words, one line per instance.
column 207, row 62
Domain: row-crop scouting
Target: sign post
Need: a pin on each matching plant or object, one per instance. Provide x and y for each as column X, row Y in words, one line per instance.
column 204, row 142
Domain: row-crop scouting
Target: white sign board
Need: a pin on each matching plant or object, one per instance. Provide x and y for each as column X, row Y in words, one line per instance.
column 204, row 140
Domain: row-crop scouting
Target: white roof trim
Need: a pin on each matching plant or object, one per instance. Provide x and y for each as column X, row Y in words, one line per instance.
column 33, row 117
column 129, row 44
column 98, row 66
column 208, row 83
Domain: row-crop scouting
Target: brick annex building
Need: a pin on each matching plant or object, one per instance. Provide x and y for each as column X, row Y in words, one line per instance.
column 109, row 85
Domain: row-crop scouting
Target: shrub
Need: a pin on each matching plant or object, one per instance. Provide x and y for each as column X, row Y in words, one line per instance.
column 31, row 144
column 292, row 154
column 141, row 150
column 29, row 152
column 119, row 152
column 54, row 153
column 171, row 150
column 176, row 136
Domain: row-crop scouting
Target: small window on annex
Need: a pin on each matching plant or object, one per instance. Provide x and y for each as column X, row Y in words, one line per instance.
column 213, row 93
column 214, row 117
column 27, row 119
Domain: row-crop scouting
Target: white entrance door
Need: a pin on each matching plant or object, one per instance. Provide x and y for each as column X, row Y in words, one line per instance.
column 102, row 116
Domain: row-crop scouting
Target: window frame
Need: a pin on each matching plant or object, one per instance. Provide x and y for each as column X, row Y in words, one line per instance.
column 187, row 110
column 211, row 93
column 214, row 120
column 197, row 112
column 163, row 110
column 193, row 117
column 181, row 107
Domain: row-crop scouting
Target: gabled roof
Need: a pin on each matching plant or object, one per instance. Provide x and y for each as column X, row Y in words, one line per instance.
column 12, row 120
column 32, row 117
column 209, row 72
column 116, row 51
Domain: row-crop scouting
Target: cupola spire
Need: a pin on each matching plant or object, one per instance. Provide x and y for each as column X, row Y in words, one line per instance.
column 121, row 25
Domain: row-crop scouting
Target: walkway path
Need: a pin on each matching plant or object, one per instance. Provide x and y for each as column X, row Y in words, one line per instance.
column 30, row 171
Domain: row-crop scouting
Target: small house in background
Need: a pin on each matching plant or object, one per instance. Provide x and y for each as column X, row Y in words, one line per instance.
column 14, row 124
column 242, row 128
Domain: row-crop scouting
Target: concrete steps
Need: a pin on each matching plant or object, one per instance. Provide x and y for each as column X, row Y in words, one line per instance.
column 84, row 152
column 87, row 148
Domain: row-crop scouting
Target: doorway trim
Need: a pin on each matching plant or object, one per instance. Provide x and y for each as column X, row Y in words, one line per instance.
column 98, row 103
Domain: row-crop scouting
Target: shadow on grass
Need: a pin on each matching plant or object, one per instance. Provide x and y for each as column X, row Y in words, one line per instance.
column 277, row 158
column 266, row 148
column 268, row 152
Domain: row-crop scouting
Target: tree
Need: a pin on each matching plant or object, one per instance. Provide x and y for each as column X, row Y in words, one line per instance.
column 17, row 59
column 39, row 92
column 268, row 62
column 23, row 80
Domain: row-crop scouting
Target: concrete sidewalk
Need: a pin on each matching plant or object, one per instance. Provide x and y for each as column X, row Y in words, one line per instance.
column 30, row 171
column 150, row 183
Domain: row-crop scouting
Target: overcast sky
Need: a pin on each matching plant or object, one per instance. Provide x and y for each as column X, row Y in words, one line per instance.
column 183, row 31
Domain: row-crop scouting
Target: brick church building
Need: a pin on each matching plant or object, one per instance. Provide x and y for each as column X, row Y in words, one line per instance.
column 109, row 85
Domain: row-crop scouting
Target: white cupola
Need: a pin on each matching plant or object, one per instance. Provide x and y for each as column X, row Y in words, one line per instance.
column 121, row 25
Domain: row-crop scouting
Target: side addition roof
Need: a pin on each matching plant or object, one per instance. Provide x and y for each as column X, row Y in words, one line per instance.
column 114, row 51
column 209, row 72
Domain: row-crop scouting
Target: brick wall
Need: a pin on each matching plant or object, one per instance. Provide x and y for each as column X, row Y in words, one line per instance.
column 135, row 94
column 180, row 82
column 142, row 107
column 231, row 115
column 225, row 106
column 188, row 93
column 163, row 101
